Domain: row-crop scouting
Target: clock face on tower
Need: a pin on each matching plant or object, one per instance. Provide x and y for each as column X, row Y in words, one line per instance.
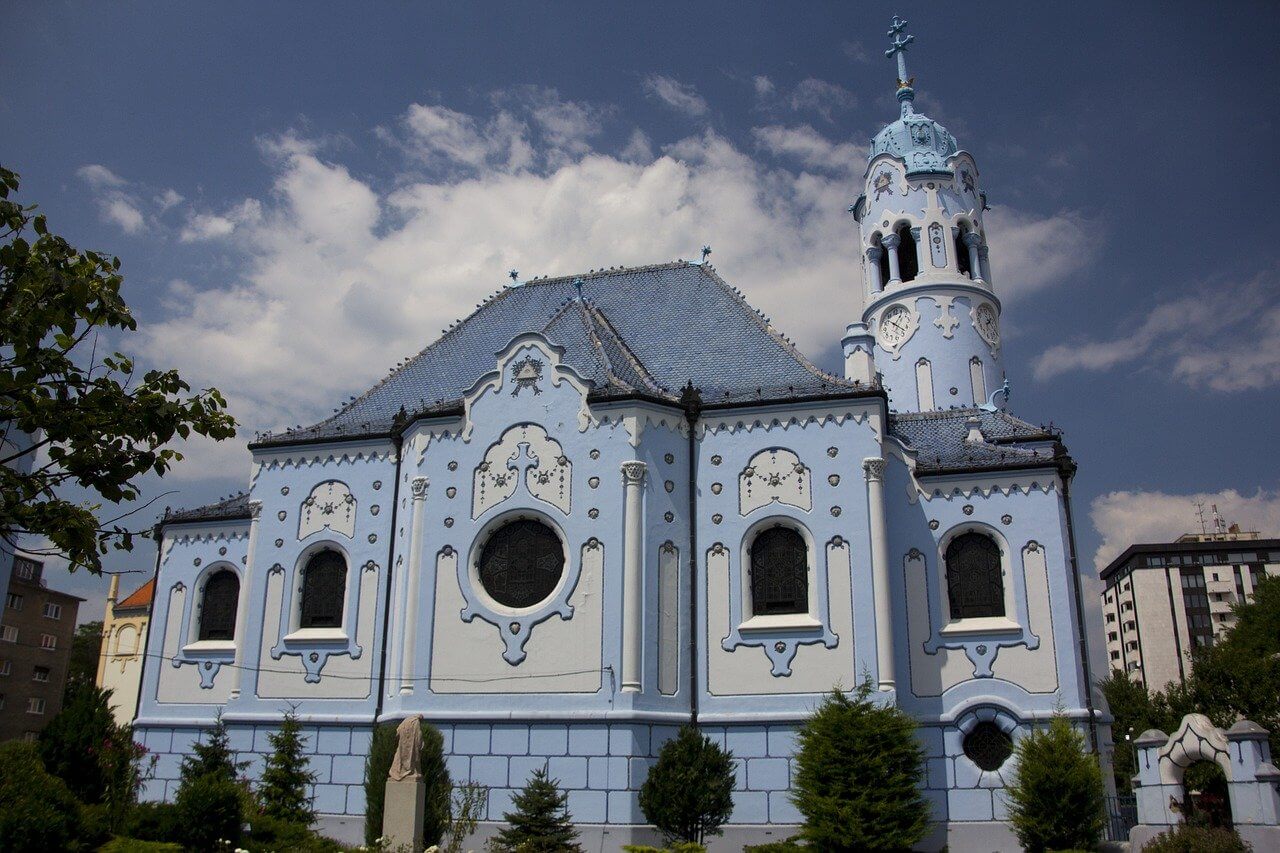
column 984, row 320
column 896, row 325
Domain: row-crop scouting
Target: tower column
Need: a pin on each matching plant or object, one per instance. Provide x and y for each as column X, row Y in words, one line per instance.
column 922, row 258
column 419, row 488
column 874, row 254
column 873, row 468
column 246, row 587
column 633, row 475
column 972, row 241
column 984, row 263
column 890, row 243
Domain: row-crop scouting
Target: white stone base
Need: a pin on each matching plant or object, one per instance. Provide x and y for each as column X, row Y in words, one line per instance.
column 402, row 813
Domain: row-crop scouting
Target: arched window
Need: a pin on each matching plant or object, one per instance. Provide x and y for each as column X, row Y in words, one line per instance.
column 218, row 607
column 908, row 257
column 779, row 572
column 521, row 564
column 975, row 586
column 962, row 252
column 324, row 590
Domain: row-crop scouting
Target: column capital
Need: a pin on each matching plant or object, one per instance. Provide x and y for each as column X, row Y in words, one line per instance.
column 972, row 239
column 890, row 240
column 873, row 468
column 419, row 487
column 255, row 509
column 633, row 473
column 874, row 253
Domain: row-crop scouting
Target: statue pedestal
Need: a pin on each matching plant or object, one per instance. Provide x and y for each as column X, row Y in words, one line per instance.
column 402, row 813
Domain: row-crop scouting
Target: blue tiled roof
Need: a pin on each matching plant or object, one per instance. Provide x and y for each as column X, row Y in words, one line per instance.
column 939, row 440
column 227, row 509
column 648, row 329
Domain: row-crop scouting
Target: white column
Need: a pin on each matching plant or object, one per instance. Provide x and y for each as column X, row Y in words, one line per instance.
column 984, row 263
column 409, row 617
column 873, row 467
column 874, row 253
column 633, row 474
column 890, row 243
column 972, row 241
column 246, row 589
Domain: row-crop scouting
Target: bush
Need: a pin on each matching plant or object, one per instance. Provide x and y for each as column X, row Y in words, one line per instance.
column 282, row 791
column 1056, row 796
column 267, row 833
column 1197, row 839
column 37, row 810
column 134, row 845
column 210, row 811
column 541, row 819
column 857, row 775
column 382, row 749
column 688, row 793
column 153, row 822
column 788, row 846
column 678, row 847
column 72, row 744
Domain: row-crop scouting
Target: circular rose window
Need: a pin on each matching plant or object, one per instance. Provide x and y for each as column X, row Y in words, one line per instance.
column 521, row 564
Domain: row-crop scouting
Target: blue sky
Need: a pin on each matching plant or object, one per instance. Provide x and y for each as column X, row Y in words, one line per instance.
column 302, row 194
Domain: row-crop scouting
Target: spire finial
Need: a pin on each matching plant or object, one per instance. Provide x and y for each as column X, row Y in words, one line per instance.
column 577, row 285
column 899, row 41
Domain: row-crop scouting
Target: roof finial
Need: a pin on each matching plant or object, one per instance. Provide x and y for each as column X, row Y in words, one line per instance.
column 706, row 250
column 577, row 285
column 899, row 41
column 514, row 275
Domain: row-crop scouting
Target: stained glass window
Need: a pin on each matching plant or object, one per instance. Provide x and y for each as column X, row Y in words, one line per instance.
column 779, row 573
column 521, row 564
column 975, row 582
column 218, row 610
column 988, row 746
column 324, row 589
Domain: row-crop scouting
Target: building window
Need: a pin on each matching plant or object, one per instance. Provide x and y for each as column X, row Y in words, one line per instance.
column 324, row 591
column 40, row 673
column 30, row 737
column 35, row 705
column 779, row 572
column 1111, row 617
column 988, row 746
column 48, row 642
column 521, row 563
column 9, row 634
column 25, row 569
column 962, row 252
column 1126, row 605
column 52, row 611
column 1132, row 645
column 975, row 587
column 908, row 256
column 1115, row 656
column 218, row 609
column 5, row 667
column 1113, row 636
column 13, row 601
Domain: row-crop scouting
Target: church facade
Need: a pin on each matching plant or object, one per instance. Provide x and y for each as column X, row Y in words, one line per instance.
column 605, row 506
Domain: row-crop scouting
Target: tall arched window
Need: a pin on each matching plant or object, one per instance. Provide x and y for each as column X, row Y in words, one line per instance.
column 975, row 583
column 218, row 607
column 908, row 257
column 324, row 590
column 962, row 252
column 779, row 572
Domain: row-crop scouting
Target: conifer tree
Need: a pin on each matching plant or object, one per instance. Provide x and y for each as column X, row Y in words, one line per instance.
column 1056, row 797
column 213, row 757
column 688, row 793
column 857, row 775
column 540, row 823
column 282, row 792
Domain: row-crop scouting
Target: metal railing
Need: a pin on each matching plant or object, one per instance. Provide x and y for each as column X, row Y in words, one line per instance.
column 1122, row 816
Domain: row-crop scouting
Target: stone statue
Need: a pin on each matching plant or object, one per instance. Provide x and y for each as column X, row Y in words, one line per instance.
column 407, row 763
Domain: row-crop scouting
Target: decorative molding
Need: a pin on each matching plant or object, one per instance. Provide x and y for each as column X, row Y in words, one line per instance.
column 418, row 486
column 774, row 475
column 330, row 504
column 946, row 321
column 524, row 453
column 255, row 510
column 633, row 473
column 309, row 460
column 821, row 418
column 873, row 468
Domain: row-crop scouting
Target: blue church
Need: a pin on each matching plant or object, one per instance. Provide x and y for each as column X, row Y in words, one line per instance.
column 607, row 505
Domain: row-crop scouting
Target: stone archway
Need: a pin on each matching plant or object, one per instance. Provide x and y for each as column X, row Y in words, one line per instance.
column 1243, row 753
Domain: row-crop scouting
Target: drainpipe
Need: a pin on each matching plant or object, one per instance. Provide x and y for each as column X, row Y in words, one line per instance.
column 1067, row 470
column 397, row 440
column 691, row 399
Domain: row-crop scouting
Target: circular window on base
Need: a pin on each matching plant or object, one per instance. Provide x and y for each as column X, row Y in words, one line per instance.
column 521, row 564
column 988, row 746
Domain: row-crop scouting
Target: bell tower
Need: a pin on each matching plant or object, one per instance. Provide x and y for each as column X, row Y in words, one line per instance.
column 931, row 320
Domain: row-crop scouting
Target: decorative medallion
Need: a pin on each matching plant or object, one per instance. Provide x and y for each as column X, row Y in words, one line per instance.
column 595, row 454
column 966, row 179
column 370, row 566
column 514, row 627
column 373, row 537
column 834, row 479
column 981, row 649
column 284, row 490
column 375, row 509
column 593, row 513
column 669, row 486
column 835, row 510
column 716, row 488
column 330, row 504
column 593, row 543
column 954, row 391
column 833, row 452
column 837, row 541
column 1006, row 519
column 282, row 515
column 526, row 372
column 933, row 524
column 594, row 482
column 717, row 518
column 718, row 549
column 914, row 554
column 377, row 484
column 779, row 647
column 279, row 543
column 222, row 552
column 669, row 458
column 669, row 516
column 451, row 492
column 716, row 460
column 197, row 561
column 968, row 509
column 774, row 475
column 448, row 522
column 314, row 657
column 453, row 465
column 882, row 184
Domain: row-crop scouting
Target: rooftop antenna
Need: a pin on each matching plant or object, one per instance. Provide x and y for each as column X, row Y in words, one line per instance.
column 706, row 250
column 1219, row 525
column 1204, row 528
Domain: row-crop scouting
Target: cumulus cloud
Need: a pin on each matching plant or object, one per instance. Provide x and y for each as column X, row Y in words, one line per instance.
column 210, row 226
column 122, row 203
column 123, row 212
column 1030, row 252
column 1228, row 340
column 810, row 148
column 1124, row 518
column 810, row 95
column 682, row 97
column 98, row 176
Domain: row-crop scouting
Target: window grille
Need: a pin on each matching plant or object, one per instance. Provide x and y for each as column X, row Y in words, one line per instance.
column 218, row 609
column 988, row 746
column 779, row 572
column 521, row 564
column 324, row 588
column 975, row 586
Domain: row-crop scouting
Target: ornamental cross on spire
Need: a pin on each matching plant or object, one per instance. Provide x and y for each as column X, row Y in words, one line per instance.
column 899, row 40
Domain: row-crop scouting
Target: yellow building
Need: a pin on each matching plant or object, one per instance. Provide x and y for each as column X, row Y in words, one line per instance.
column 124, row 639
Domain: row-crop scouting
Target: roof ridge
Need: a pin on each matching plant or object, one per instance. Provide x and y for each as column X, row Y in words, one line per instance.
column 604, row 273
column 597, row 314
column 601, row 356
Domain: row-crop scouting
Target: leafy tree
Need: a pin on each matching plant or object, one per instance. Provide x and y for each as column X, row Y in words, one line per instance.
column 37, row 810
column 1132, row 714
column 1056, row 796
column 99, row 424
column 282, row 791
column 688, row 793
column 72, row 744
column 210, row 810
column 540, row 822
column 382, row 748
column 857, row 775
column 86, row 648
column 213, row 757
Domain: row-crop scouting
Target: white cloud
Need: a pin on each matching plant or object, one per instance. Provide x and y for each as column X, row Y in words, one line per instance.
column 809, row 95
column 167, row 199
column 1030, row 253
column 810, row 148
column 115, row 204
column 1228, row 339
column 209, row 226
column 858, row 52
column 121, row 210
column 98, row 176
column 679, row 96
column 1124, row 518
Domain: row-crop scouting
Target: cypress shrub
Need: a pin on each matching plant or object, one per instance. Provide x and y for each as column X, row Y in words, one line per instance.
column 857, row 776
column 1056, row 796
column 540, row 822
column 212, row 757
column 71, row 746
column 382, row 749
column 282, row 791
column 37, row 810
column 688, row 793
column 210, row 810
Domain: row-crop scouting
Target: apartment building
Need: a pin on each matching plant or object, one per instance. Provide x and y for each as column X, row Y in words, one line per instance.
column 1160, row 601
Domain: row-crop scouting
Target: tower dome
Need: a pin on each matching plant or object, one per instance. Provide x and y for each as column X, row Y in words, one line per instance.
column 921, row 143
